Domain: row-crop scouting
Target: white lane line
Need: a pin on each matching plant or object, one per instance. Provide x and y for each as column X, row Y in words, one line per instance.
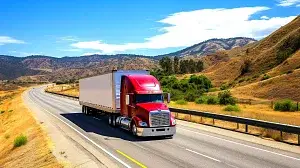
column 94, row 143
column 202, row 155
column 97, row 118
column 237, row 143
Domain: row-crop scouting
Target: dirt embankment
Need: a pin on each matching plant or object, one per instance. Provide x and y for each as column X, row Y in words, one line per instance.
column 16, row 120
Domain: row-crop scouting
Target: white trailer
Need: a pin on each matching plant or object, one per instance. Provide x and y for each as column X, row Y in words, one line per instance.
column 103, row 92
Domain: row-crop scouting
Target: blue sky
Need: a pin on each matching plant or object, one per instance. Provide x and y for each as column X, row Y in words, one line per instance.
column 82, row 27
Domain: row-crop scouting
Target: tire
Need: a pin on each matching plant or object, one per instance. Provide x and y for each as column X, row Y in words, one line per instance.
column 114, row 124
column 82, row 109
column 109, row 119
column 133, row 129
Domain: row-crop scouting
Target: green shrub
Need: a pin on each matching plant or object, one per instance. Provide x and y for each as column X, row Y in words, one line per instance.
column 190, row 96
column 232, row 108
column 225, row 98
column 201, row 100
column 212, row 100
column 285, row 105
column 265, row 77
column 224, row 87
column 289, row 72
column 10, row 111
column 181, row 102
column 1, row 112
column 20, row 140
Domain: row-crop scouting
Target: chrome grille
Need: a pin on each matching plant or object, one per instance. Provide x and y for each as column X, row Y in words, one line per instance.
column 159, row 118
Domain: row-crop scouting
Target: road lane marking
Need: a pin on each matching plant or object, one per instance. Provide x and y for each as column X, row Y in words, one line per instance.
column 237, row 143
column 97, row 118
column 130, row 158
column 94, row 143
column 202, row 155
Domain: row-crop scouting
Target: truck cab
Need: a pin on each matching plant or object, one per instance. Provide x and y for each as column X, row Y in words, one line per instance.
column 142, row 103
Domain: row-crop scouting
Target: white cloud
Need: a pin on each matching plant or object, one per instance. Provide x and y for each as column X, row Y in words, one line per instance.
column 90, row 53
column 298, row 5
column 9, row 40
column 24, row 54
column 72, row 50
column 289, row 2
column 264, row 17
column 187, row 28
column 67, row 39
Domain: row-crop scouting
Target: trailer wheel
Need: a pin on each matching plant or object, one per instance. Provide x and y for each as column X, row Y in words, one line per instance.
column 82, row 109
column 109, row 119
column 114, row 120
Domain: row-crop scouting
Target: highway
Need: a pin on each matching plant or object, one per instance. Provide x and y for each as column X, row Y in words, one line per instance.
column 190, row 147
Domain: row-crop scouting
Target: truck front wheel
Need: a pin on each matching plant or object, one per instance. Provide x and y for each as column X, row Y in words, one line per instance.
column 134, row 129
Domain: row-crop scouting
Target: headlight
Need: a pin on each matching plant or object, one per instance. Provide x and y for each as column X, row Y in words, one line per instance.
column 143, row 124
column 173, row 121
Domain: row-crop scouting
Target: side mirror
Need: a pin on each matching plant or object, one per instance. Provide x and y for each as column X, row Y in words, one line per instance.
column 127, row 99
column 169, row 97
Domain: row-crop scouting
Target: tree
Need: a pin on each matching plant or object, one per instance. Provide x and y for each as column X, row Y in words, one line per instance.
column 176, row 65
column 167, row 65
column 183, row 66
column 199, row 66
column 192, row 66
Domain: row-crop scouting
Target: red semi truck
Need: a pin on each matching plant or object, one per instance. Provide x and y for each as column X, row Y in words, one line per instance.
column 132, row 99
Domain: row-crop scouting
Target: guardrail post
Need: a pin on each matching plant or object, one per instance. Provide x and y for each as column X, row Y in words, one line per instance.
column 213, row 121
column 246, row 127
column 190, row 117
column 201, row 120
column 281, row 136
column 298, row 139
column 237, row 126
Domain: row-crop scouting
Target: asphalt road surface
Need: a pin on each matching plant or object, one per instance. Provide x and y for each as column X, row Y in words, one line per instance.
column 190, row 147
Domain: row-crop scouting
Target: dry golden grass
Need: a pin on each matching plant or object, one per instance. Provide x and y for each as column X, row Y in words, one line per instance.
column 71, row 90
column 258, row 111
column 285, row 86
column 36, row 153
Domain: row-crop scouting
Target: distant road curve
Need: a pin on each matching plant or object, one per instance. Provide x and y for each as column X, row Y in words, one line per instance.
column 190, row 147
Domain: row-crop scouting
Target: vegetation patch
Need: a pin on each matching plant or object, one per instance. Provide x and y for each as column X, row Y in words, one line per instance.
column 225, row 98
column 285, row 105
column 265, row 77
column 235, row 108
column 212, row 100
column 20, row 140
column 287, row 48
column 181, row 102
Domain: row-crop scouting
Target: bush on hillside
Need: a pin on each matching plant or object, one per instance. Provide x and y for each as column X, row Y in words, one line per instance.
column 181, row 102
column 20, row 140
column 225, row 98
column 285, row 105
column 287, row 48
column 224, row 86
column 265, row 77
column 190, row 96
column 201, row 100
column 232, row 108
column 212, row 100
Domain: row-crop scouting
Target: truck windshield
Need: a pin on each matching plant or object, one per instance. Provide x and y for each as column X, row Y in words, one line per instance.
column 144, row 98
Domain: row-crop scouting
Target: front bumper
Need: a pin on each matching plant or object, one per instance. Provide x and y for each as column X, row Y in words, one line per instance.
column 159, row 131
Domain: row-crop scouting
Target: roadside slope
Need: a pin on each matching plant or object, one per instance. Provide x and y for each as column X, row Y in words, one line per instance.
column 18, row 120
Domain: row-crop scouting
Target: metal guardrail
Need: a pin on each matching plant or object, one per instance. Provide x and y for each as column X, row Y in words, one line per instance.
column 239, row 120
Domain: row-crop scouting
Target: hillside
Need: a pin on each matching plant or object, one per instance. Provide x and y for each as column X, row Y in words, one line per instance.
column 44, row 68
column 270, row 55
column 212, row 46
